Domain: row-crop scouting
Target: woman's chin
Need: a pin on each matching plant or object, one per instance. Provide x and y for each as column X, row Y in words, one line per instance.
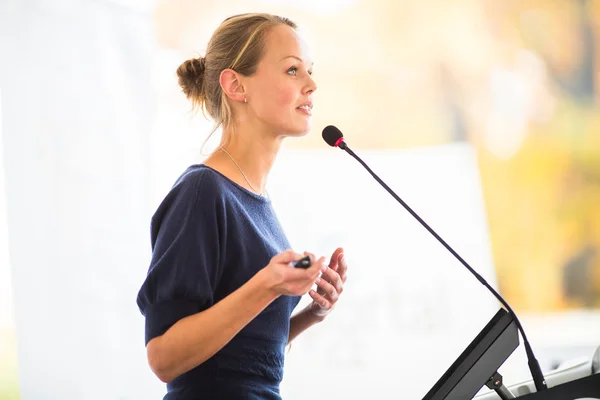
column 297, row 134
column 303, row 132
column 300, row 131
column 295, row 129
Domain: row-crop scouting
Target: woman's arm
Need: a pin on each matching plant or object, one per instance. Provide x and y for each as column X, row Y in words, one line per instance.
column 302, row 321
column 194, row 339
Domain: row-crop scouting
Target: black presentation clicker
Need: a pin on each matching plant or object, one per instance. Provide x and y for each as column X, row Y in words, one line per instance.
column 303, row 263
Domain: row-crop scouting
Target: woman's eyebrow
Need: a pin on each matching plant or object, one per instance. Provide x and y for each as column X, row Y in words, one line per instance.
column 297, row 58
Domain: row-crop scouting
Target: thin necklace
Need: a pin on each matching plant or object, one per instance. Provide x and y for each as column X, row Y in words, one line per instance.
column 243, row 174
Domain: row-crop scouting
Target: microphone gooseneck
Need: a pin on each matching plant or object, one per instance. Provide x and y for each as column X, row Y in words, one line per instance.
column 334, row 137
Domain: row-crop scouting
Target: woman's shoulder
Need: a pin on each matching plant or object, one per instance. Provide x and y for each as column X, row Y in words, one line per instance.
column 209, row 182
column 195, row 189
column 199, row 178
column 196, row 185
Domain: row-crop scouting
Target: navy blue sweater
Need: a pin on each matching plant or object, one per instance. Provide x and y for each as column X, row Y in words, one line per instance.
column 209, row 237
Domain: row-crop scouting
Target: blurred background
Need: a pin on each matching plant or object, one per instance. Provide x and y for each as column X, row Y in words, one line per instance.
column 484, row 114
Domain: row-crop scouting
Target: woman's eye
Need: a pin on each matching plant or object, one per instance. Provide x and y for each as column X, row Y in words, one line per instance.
column 292, row 71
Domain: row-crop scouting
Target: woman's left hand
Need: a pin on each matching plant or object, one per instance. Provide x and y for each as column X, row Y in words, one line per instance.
column 330, row 285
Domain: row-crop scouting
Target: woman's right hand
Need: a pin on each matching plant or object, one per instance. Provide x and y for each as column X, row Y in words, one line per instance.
column 285, row 279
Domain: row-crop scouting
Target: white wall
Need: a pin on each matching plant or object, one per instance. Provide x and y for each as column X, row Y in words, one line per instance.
column 78, row 112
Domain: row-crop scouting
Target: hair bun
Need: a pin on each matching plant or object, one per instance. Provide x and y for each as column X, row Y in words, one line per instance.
column 191, row 77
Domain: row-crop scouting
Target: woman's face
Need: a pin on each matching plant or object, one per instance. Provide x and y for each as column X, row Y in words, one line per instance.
column 280, row 92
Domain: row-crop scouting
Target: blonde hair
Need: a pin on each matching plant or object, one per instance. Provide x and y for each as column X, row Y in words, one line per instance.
column 237, row 44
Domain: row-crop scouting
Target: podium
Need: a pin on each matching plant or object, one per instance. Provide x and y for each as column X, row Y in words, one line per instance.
column 479, row 363
column 583, row 388
column 578, row 381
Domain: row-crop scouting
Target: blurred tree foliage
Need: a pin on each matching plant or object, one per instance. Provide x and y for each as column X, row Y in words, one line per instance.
column 544, row 202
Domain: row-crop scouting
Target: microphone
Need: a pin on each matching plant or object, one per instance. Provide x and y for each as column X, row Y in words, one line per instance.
column 334, row 137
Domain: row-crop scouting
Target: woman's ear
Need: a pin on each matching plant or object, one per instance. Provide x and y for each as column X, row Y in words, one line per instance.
column 231, row 85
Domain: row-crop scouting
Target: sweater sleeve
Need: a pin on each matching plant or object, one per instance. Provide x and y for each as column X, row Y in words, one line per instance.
column 184, row 268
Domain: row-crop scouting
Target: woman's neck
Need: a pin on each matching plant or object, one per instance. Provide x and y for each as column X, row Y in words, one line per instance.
column 246, row 159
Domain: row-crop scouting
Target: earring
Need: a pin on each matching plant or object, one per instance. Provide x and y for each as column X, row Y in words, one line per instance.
column 245, row 100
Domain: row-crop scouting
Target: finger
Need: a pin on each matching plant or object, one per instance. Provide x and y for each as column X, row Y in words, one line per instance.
column 327, row 289
column 334, row 279
column 344, row 277
column 333, row 263
column 313, row 258
column 308, row 275
column 342, row 265
column 320, row 300
column 316, row 268
column 287, row 256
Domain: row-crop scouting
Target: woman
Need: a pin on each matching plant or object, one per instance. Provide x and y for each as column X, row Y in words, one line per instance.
column 221, row 286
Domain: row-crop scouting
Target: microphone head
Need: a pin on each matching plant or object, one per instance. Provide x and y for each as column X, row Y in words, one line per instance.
column 333, row 136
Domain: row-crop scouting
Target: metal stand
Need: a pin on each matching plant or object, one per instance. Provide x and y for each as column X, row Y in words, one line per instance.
column 495, row 383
